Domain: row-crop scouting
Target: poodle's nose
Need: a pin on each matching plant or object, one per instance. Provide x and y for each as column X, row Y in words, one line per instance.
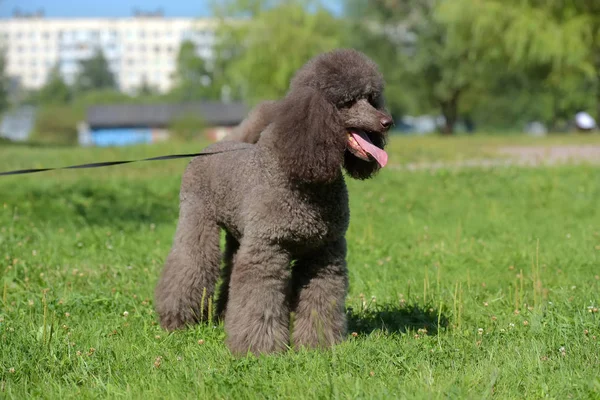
column 386, row 122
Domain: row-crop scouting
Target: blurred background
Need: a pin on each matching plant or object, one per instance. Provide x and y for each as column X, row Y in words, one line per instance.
column 127, row 72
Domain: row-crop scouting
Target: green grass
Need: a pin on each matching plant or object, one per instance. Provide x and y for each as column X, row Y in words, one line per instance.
column 500, row 266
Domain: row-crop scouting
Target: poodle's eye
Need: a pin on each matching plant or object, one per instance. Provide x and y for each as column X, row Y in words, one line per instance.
column 348, row 104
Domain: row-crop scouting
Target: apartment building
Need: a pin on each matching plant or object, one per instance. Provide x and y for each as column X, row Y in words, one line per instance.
column 140, row 48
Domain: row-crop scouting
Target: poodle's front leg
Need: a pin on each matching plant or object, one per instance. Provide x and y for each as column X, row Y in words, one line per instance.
column 191, row 270
column 320, row 284
column 257, row 315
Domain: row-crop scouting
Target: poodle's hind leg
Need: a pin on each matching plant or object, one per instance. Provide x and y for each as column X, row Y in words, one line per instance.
column 320, row 284
column 192, row 268
column 257, row 315
column 231, row 248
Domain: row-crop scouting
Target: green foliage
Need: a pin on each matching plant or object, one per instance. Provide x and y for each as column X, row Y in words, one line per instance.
column 95, row 74
column 145, row 89
column 3, row 83
column 502, row 62
column 526, row 32
column 515, row 98
column 558, row 40
column 56, row 124
column 413, row 45
column 105, row 96
column 187, row 127
column 55, row 91
column 452, row 251
column 263, row 52
column 113, row 96
column 194, row 80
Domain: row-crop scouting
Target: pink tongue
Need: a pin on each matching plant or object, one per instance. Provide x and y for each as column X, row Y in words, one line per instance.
column 379, row 155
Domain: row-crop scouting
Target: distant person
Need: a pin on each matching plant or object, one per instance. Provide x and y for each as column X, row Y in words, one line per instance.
column 469, row 124
column 584, row 122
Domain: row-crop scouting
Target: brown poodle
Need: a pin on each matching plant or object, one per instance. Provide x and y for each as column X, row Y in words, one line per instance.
column 283, row 204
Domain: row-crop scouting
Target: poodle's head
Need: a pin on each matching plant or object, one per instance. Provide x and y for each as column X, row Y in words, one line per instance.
column 332, row 117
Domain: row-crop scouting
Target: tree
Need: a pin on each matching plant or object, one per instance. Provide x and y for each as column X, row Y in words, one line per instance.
column 187, row 126
column 95, row 74
column 560, row 41
column 57, row 124
column 4, row 101
column 56, row 90
column 193, row 77
column 259, row 55
column 434, row 69
column 103, row 96
column 145, row 88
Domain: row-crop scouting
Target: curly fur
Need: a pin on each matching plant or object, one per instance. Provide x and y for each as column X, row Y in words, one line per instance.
column 282, row 200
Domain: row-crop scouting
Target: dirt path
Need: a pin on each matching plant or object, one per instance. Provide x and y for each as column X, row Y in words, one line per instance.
column 527, row 156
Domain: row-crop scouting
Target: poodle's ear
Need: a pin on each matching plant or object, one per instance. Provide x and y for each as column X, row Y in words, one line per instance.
column 309, row 138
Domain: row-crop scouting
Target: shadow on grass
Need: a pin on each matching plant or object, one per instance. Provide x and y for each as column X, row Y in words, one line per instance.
column 396, row 319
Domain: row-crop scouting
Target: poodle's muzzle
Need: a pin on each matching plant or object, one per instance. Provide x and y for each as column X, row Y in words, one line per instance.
column 366, row 135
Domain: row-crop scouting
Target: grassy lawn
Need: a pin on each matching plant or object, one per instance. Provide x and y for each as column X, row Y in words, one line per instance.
column 466, row 283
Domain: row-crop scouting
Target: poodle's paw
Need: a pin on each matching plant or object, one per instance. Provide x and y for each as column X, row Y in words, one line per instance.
column 245, row 337
column 175, row 321
column 174, row 316
column 315, row 332
column 241, row 346
column 317, row 339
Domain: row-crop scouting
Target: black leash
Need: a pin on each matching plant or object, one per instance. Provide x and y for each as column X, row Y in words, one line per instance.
column 109, row 163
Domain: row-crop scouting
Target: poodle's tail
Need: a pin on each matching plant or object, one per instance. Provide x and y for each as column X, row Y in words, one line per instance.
column 250, row 129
